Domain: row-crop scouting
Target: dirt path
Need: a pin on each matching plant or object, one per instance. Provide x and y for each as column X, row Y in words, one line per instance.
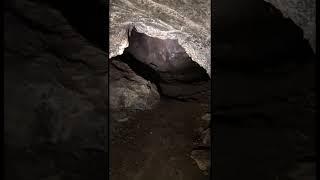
column 157, row 144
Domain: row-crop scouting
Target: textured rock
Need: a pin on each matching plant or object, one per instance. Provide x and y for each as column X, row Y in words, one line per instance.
column 160, row 55
column 130, row 91
column 186, row 21
column 303, row 13
column 165, row 63
column 56, row 82
column 55, row 96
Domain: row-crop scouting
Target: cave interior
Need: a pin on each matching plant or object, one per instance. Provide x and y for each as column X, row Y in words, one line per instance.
column 260, row 99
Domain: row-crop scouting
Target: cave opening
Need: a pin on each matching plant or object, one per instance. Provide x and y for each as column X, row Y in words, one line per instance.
column 166, row 64
column 160, row 110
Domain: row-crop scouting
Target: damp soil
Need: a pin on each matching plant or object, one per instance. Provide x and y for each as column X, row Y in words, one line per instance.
column 157, row 144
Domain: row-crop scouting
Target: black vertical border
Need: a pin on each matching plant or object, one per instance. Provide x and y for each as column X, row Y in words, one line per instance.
column 2, row 74
column 317, row 95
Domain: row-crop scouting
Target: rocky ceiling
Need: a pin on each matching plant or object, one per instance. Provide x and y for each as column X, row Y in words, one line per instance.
column 185, row 20
column 188, row 22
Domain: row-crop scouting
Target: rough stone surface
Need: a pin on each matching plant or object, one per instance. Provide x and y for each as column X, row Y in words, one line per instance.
column 303, row 13
column 130, row 91
column 165, row 63
column 186, row 21
column 54, row 96
column 58, row 80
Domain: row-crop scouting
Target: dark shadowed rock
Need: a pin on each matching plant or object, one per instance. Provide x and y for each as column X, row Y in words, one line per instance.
column 303, row 13
column 55, row 96
column 129, row 91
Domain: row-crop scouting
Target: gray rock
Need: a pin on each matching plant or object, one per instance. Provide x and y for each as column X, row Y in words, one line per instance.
column 130, row 91
column 188, row 22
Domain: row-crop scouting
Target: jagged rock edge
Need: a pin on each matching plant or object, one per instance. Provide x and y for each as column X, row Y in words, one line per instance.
column 125, row 43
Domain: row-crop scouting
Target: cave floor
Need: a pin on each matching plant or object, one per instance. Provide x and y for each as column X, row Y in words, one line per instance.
column 156, row 144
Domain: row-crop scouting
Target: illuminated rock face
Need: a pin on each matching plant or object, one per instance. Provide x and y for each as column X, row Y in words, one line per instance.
column 303, row 13
column 186, row 21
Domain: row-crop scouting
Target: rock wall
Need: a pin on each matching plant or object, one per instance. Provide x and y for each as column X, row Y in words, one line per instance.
column 55, row 96
column 303, row 13
column 184, row 20
column 129, row 91
column 189, row 23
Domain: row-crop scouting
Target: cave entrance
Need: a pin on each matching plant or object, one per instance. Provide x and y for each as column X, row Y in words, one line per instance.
column 166, row 64
column 171, row 133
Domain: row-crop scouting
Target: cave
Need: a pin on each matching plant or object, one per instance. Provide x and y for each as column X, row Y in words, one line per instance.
column 165, row 64
column 168, row 102
column 263, row 92
column 71, row 110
